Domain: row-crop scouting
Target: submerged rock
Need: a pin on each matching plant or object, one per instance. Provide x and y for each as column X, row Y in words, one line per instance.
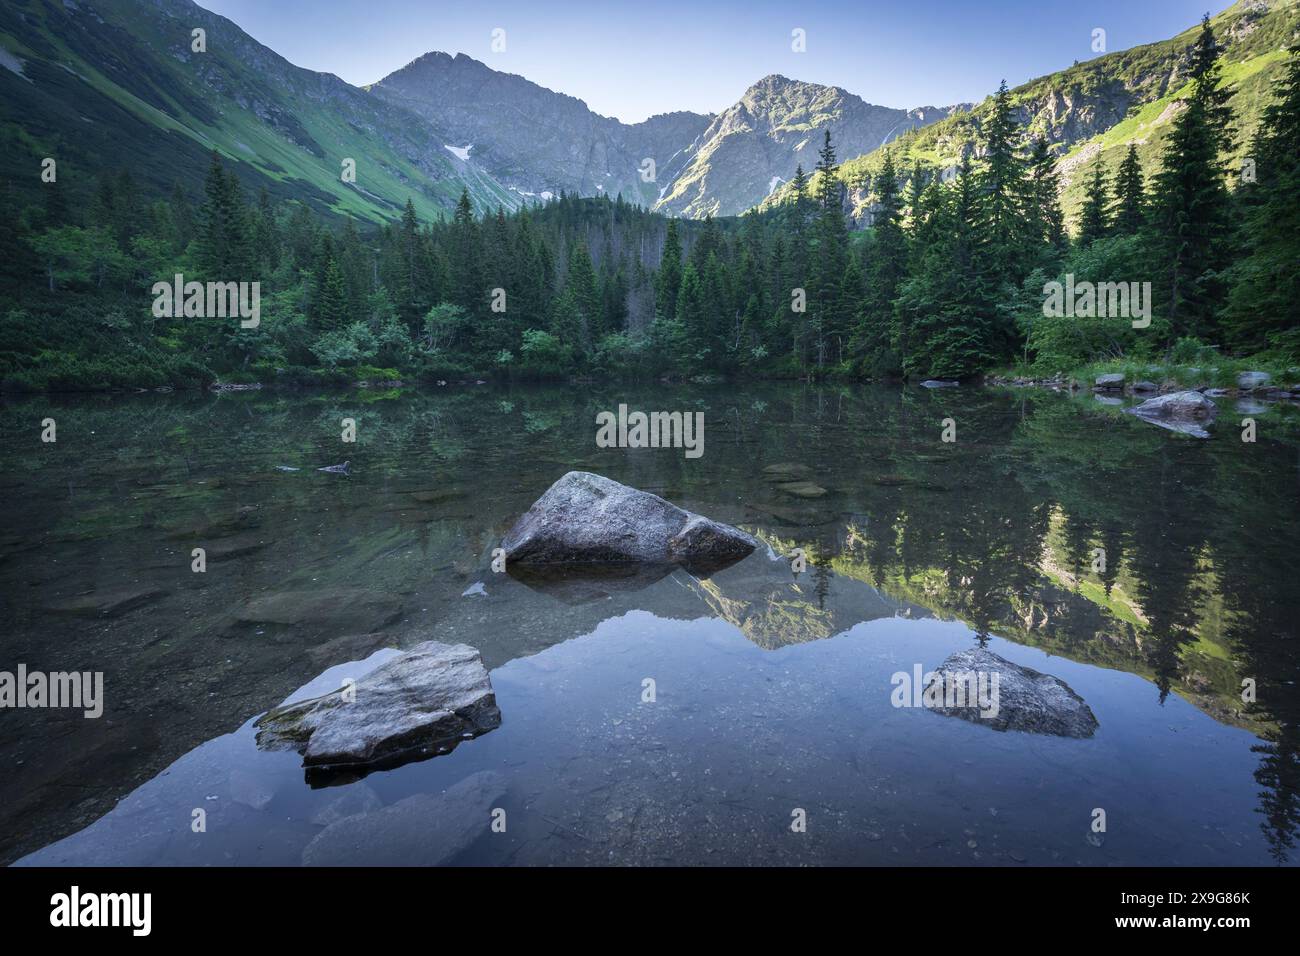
column 424, row 830
column 1178, row 411
column 587, row 519
column 433, row 695
column 1025, row 699
column 111, row 602
column 938, row 383
column 341, row 610
column 802, row 489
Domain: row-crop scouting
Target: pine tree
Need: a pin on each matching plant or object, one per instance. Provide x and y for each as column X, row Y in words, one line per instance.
column 581, row 288
column 947, row 307
column 886, row 270
column 670, row 272
column 225, row 247
column 1093, row 222
column 1191, row 204
column 1045, row 228
column 692, row 313
column 1129, row 212
column 1264, row 304
column 1001, row 191
column 829, row 327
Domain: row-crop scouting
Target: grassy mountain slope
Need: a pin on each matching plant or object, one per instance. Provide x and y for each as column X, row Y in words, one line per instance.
column 110, row 84
column 1092, row 111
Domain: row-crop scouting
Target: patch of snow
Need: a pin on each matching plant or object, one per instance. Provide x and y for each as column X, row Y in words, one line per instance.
column 476, row 588
column 547, row 195
column 771, row 186
column 12, row 63
column 461, row 152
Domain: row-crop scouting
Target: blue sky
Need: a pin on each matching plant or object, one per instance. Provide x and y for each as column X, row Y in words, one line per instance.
column 631, row 60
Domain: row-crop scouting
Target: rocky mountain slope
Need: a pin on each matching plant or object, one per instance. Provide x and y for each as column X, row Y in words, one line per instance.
column 539, row 142
column 751, row 149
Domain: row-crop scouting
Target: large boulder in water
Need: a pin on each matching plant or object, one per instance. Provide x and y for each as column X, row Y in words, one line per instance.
column 432, row 696
column 587, row 520
column 1178, row 411
column 1023, row 699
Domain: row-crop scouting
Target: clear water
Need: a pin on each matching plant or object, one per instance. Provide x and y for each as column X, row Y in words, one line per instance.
column 772, row 690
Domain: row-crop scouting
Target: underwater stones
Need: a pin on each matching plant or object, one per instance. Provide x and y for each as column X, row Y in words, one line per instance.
column 802, row 489
column 786, row 471
column 587, row 519
column 342, row 610
column 224, row 549
column 109, row 602
column 424, row 830
column 433, row 695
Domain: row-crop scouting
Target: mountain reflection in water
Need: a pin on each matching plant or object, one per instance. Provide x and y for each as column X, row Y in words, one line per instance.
column 772, row 688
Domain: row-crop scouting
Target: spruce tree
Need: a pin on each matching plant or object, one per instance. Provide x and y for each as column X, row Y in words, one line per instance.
column 1190, row 200
column 886, row 270
column 829, row 326
column 1264, row 304
column 1045, row 229
column 1129, row 213
column 1001, row 190
column 670, row 273
column 1093, row 221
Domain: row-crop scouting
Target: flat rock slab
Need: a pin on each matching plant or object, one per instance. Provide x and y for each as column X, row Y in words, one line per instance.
column 431, row 697
column 787, row 471
column 111, row 602
column 346, row 610
column 1026, row 700
column 424, row 830
column 802, row 489
column 224, row 549
column 586, row 519
column 437, row 496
